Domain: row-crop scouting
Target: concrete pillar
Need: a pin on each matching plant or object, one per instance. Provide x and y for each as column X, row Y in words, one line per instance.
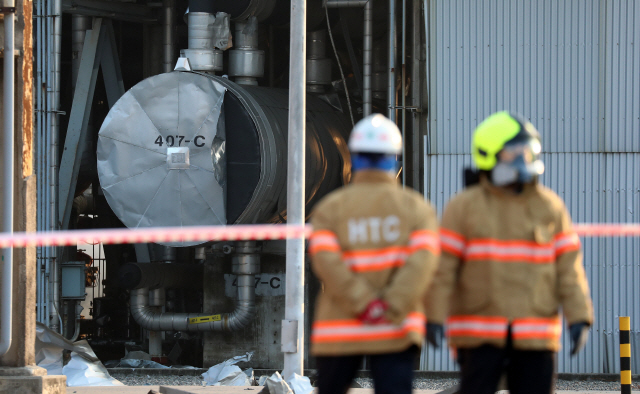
column 18, row 372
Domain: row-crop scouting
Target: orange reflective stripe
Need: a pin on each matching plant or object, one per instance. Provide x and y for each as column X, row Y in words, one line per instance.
column 536, row 328
column 425, row 239
column 354, row 330
column 376, row 259
column 477, row 326
column 452, row 242
column 510, row 251
column 566, row 242
column 323, row 241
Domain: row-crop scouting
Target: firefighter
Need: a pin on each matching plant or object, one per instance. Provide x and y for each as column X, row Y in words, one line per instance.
column 374, row 247
column 510, row 260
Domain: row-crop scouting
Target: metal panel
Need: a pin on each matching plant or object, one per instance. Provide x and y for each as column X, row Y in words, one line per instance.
column 596, row 187
column 562, row 64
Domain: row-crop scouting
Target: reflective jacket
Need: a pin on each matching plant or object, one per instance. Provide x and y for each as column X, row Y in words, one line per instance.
column 508, row 261
column 371, row 239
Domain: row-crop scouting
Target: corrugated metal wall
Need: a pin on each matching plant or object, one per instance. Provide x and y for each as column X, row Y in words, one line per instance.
column 573, row 68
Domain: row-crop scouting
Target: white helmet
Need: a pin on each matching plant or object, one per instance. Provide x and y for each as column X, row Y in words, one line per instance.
column 376, row 134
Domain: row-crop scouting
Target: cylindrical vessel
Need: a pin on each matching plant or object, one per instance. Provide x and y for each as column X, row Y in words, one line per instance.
column 184, row 148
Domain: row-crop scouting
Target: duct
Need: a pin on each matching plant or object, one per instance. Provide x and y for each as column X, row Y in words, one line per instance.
column 201, row 53
column 318, row 65
column 246, row 62
column 245, row 264
column 7, row 177
column 157, row 275
column 130, row 162
column 168, row 32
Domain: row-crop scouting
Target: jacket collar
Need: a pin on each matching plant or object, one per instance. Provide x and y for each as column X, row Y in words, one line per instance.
column 373, row 176
column 527, row 190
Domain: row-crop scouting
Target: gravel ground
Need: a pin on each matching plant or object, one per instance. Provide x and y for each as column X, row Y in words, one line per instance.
column 426, row 384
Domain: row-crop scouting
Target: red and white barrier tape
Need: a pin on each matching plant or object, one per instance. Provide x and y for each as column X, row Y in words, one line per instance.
column 157, row 234
column 226, row 233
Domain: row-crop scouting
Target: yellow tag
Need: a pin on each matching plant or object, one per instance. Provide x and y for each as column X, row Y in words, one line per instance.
column 205, row 319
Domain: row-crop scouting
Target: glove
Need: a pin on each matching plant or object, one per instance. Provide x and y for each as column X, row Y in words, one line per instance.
column 579, row 333
column 374, row 312
column 435, row 334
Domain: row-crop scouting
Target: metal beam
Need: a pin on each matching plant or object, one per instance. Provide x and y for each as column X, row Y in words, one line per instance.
column 78, row 120
column 111, row 9
column 110, row 64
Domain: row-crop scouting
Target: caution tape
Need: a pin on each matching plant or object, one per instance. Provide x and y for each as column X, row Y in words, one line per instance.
column 256, row 232
column 156, row 235
column 205, row 319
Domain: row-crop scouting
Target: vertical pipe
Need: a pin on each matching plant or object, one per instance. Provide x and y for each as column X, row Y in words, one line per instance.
column 39, row 157
column 168, row 34
column 7, row 178
column 625, row 355
column 404, row 92
column 415, row 92
column 391, row 69
column 294, row 302
column 366, row 58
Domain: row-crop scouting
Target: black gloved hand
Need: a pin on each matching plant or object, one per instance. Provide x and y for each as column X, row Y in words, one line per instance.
column 579, row 333
column 435, row 334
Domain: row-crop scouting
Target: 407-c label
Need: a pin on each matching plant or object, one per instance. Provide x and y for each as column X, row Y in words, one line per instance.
column 179, row 140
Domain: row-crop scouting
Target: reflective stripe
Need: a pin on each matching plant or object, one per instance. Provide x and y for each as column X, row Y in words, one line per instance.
column 377, row 259
column 452, row 242
column 477, row 326
column 354, row 330
column 536, row 328
column 510, row 251
column 425, row 239
column 323, row 241
column 566, row 242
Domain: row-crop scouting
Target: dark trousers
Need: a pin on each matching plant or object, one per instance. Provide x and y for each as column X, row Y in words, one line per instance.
column 392, row 372
column 527, row 371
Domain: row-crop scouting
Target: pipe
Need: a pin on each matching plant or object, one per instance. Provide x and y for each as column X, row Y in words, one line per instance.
column 246, row 62
column 391, row 69
column 7, row 166
column 40, row 172
column 318, row 65
column 345, row 3
column 294, row 300
column 246, row 264
column 404, row 92
column 168, row 35
column 366, row 58
column 157, row 275
column 415, row 92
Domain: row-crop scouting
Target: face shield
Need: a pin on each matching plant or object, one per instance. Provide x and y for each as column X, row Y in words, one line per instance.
column 518, row 163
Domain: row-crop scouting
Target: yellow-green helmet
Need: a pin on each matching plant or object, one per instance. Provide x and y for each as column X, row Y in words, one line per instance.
column 494, row 132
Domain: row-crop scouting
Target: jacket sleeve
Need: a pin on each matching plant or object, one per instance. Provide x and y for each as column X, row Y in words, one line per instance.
column 452, row 243
column 412, row 279
column 351, row 292
column 573, row 288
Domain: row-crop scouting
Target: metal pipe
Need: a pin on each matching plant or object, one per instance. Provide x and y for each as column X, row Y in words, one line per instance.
column 294, row 300
column 54, row 68
column 168, row 35
column 7, row 178
column 246, row 264
column 345, row 3
column 415, row 94
column 40, row 167
column 391, row 69
column 366, row 58
column 404, row 92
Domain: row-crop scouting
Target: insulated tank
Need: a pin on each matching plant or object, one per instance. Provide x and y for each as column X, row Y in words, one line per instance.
column 189, row 149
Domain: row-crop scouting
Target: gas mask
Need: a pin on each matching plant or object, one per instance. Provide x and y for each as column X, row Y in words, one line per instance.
column 518, row 163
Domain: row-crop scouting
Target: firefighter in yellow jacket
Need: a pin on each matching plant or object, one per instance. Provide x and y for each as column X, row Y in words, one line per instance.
column 374, row 247
column 510, row 261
